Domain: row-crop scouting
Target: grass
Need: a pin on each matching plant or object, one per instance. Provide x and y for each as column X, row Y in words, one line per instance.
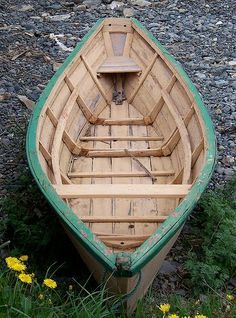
column 30, row 225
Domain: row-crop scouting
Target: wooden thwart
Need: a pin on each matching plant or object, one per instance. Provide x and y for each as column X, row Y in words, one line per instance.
column 123, row 153
column 122, row 191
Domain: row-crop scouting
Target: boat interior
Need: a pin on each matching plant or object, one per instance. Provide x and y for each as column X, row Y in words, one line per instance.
column 120, row 136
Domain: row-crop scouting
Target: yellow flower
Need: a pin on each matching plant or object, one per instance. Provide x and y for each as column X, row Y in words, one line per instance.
column 24, row 258
column 200, row 316
column 50, row 283
column 164, row 308
column 25, row 278
column 173, row 316
column 229, row 297
column 15, row 264
column 41, row 296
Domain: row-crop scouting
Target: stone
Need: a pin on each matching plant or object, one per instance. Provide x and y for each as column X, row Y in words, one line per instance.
column 200, row 75
column 168, row 267
column 128, row 12
column 92, row 3
column 59, row 17
column 116, row 5
column 81, row 7
column 25, row 7
column 141, row 3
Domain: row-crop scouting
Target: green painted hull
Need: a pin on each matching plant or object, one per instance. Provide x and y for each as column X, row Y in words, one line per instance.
column 154, row 244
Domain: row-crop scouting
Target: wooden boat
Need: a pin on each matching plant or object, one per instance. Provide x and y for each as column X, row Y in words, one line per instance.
column 122, row 146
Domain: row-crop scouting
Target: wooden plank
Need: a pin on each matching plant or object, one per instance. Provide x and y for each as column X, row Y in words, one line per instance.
column 119, row 64
column 123, row 138
column 94, row 77
column 143, row 77
column 101, row 174
column 122, row 237
column 128, row 44
column 197, row 152
column 122, row 191
column 123, row 153
column 126, row 219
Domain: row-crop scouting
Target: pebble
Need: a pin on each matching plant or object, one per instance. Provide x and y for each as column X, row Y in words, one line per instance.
column 128, row 12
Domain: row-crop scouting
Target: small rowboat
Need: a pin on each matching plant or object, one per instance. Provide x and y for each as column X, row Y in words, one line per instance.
column 122, row 147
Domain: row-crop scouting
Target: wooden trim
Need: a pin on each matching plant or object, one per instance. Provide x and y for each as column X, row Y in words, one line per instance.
column 122, row 191
column 143, row 77
column 107, row 152
column 155, row 111
column 183, row 133
column 124, row 246
column 127, row 219
column 111, row 174
column 123, row 138
column 122, row 237
column 94, row 77
column 171, row 84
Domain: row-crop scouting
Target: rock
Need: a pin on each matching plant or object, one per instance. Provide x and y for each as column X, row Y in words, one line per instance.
column 107, row 1
column 80, row 7
column 92, row 3
column 168, row 267
column 232, row 63
column 128, row 12
column 141, row 3
column 200, row 75
column 221, row 83
column 59, row 17
column 25, row 7
column 116, row 5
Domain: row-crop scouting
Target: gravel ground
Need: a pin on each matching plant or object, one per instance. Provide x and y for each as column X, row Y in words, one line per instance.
column 37, row 35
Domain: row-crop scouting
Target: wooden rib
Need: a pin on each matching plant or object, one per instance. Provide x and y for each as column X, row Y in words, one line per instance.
column 195, row 155
column 123, row 153
column 51, row 116
column 197, row 151
column 175, row 136
column 183, row 133
column 122, row 191
column 59, row 132
column 124, row 138
column 92, row 118
column 150, row 118
column 128, row 219
column 94, row 77
column 143, row 77
column 45, row 153
column 48, row 158
column 118, row 174
column 123, row 121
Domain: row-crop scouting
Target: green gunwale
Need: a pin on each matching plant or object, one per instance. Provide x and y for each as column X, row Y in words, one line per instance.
column 158, row 240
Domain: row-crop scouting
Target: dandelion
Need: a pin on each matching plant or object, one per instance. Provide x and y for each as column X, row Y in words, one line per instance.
column 200, row 316
column 24, row 258
column 25, row 278
column 229, row 297
column 41, row 296
column 15, row 264
column 50, row 283
column 164, row 308
column 173, row 316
